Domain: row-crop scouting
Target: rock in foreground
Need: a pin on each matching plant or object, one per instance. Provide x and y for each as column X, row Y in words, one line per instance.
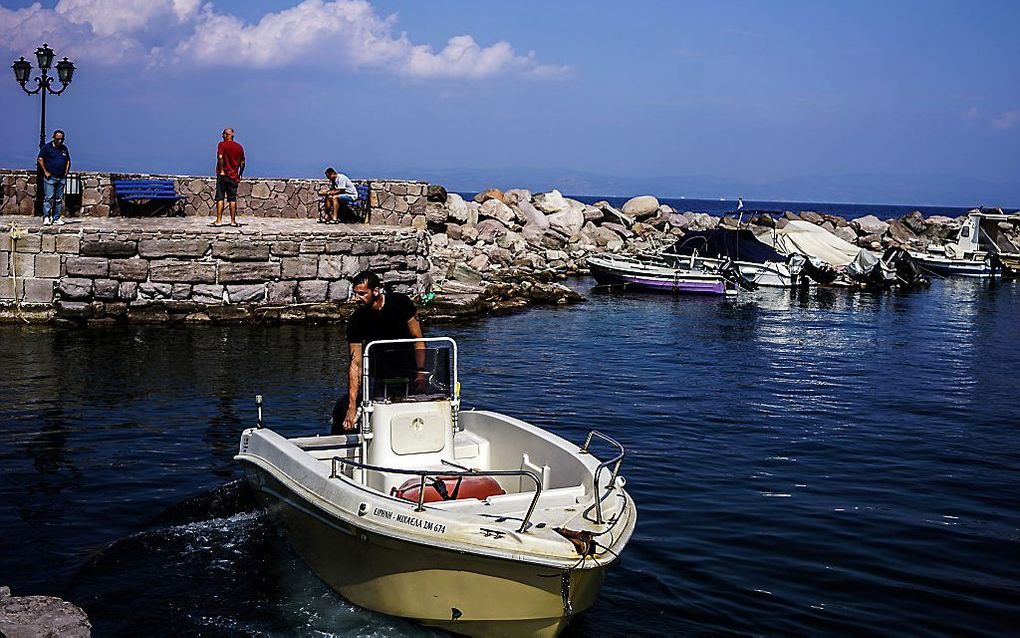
column 37, row 616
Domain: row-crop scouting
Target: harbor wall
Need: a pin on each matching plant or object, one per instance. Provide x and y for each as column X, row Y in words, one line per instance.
column 174, row 270
column 391, row 202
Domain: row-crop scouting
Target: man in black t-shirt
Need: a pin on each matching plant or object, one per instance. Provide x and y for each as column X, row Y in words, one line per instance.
column 380, row 315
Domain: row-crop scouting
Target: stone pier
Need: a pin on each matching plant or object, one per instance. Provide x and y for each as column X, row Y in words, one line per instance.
column 105, row 270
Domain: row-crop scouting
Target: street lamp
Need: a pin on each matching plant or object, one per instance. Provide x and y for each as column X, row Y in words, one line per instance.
column 44, row 83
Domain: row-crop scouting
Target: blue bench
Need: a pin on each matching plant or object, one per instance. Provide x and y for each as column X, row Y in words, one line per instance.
column 140, row 191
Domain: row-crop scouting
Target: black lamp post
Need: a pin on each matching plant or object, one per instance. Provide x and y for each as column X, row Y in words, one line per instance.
column 43, row 83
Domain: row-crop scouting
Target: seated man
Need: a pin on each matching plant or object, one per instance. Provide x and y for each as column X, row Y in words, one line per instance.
column 340, row 189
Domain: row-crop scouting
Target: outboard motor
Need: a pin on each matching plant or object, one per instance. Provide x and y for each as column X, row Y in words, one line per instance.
column 820, row 271
column 908, row 274
column 731, row 273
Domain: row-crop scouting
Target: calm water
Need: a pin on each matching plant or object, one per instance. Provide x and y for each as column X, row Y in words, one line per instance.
column 825, row 463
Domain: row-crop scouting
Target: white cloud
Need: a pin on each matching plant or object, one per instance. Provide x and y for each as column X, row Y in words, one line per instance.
column 185, row 32
column 1009, row 119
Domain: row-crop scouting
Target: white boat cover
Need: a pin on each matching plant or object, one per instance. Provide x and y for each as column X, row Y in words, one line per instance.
column 808, row 239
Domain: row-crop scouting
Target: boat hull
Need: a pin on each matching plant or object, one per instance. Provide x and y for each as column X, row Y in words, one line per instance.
column 676, row 283
column 460, row 592
column 954, row 267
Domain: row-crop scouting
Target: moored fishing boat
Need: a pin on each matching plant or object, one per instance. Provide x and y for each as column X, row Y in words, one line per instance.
column 981, row 248
column 691, row 276
column 471, row 521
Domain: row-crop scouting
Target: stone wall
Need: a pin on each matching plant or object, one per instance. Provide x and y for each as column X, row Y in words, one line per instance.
column 182, row 270
column 391, row 202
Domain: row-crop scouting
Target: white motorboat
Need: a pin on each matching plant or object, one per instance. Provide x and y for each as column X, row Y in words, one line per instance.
column 472, row 521
column 981, row 248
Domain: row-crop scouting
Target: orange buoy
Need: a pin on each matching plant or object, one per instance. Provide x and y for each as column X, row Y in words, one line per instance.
column 449, row 488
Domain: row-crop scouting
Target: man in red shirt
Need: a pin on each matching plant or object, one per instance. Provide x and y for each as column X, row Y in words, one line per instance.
column 229, row 168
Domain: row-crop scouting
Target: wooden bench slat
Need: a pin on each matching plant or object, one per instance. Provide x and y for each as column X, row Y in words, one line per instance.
column 137, row 189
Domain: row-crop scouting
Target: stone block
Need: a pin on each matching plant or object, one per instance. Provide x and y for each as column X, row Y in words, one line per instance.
column 150, row 290
column 109, row 248
column 73, row 288
column 87, row 266
column 7, row 288
column 183, row 271
column 23, row 265
column 303, row 267
column 281, row 292
column 180, row 292
column 129, row 269
column 49, row 243
column 313, row 246
column 31, row 243
column 5, row 264
column 73, row 309
column 331, row 267
column 339, row 290
column 240, row 252
column 339, row 247
column 106, row 289
column 68, row 244
column 6, row 242
column 128, row 290
column 365, row 248
column 285, row 248
column 314, row 291
column 47, row 265
column 385, row 262
column 207, row 294
column 183, row 248
column 232, row 273
column 251, row 293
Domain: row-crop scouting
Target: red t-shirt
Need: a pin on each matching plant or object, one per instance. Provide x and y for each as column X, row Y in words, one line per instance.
column 233, row 156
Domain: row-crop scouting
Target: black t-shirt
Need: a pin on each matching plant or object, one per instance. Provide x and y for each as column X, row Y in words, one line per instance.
column 366, row 325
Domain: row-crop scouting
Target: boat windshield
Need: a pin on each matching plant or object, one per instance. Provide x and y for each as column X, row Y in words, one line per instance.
column 410, row 372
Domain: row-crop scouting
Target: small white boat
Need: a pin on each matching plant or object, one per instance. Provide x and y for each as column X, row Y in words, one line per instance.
column 472, row 521
column 686, row 276
column 980, row 248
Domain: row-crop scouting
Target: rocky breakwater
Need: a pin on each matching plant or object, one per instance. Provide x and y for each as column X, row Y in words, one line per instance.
column 516, row 243
column 160, row 270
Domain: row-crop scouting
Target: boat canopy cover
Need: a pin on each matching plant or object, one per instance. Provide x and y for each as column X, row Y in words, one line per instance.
column 803, row 237
column 738, row 245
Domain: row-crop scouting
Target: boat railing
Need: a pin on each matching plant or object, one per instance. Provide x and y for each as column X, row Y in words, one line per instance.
column 616, row 462
column 423, row 474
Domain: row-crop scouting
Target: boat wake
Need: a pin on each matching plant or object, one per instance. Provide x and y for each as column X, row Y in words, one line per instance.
column 213, row 566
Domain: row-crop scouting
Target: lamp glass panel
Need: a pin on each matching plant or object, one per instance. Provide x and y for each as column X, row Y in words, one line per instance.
column 44, row 55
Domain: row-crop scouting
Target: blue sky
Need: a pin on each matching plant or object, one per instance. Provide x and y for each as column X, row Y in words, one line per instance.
column 898, row 102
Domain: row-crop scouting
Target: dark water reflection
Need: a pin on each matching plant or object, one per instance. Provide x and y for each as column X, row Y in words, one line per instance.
column 803, row 464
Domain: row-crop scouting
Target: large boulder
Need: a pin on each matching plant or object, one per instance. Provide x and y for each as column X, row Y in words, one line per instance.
column 486, row 195
column 900, row 233
column 641, row 207
column 41, row 616
column 515, row 196
column 472, row 211
column 811, row 216
column 531, row 215
column 456, row 208
column 436, row 193
column 490, row 229
column 611, row 214
column 846, row 234
column 869, row 225
column 551, row 202
column 496, row 209
column 567, row 222
column 915, row 222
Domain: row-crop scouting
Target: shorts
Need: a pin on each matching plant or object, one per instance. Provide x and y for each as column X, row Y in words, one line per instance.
column 225, row 187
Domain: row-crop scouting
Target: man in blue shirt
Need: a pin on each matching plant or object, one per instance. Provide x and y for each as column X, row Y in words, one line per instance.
column 55, row 161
